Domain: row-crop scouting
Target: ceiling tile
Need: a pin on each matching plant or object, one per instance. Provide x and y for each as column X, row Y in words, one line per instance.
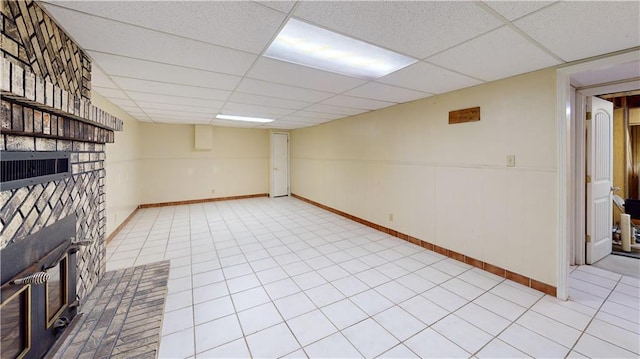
column 227, row 123
column 303, row 120
column 300, row 120
column 222, row 23
column 169, row 99
column 382, row 92
column 138, row 114
column 168, row 115
column 179, row 113
column 180, row 121
column 240, row 97
column 317, row 115
column 578, row 29
column 428, row 78
column 264, row 88
column 109, row 92
column 498, row 54
column 130, row 108
column 213, row 106
column 99, row 34
column 512, row 10
column 357, row 102
column 231, row 108
column 301, row 76
column 338, row 110
column 281, row 5
column 283, row 125
column 100, row 79
column 146, row 70
column 419, row 28
column 161, row 88
column 122, row 102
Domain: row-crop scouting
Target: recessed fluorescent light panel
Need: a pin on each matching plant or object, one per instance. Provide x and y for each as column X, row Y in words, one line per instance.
column 308, row 45
column 243, row 118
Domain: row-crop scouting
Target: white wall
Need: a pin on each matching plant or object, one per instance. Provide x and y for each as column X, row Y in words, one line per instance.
column 172, row 170
column 122, row 162
column 448, row 184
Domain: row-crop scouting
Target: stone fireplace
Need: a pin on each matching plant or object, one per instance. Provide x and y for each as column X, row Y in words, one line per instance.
column 47, row 122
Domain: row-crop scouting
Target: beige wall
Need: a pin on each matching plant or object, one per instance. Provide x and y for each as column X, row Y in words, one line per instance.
column 448, row 184
column 172, row 170
column 122, row 163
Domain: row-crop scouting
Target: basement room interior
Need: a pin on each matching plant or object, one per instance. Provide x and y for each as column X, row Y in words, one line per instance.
column 319, row 179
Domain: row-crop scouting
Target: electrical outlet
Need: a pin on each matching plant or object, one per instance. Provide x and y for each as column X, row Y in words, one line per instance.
column 390, row 217
column 511, row 160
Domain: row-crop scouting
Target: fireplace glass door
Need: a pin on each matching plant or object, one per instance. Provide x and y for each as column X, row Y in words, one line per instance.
column 15, row 318
column 56, row 294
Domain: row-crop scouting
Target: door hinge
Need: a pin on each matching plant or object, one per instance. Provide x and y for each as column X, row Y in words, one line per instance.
column 588, row 179
column 588, row 238
column 588, row 115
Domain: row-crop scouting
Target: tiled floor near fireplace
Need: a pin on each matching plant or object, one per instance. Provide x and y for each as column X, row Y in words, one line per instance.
column 279, row 277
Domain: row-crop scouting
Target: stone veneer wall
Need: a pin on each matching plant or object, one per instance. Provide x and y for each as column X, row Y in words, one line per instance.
column 45, row 82
column 32, row 40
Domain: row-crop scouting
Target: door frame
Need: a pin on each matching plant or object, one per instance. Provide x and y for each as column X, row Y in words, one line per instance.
column 271, row 156
column 571, row 150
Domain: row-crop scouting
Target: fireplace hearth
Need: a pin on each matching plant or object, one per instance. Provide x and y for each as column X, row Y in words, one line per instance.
column 38, row 291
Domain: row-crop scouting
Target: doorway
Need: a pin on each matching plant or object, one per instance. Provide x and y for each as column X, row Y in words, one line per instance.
column 279, row 164
column 600, row 76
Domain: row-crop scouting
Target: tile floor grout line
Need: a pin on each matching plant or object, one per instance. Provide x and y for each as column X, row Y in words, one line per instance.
column 507, row 327
column 224, row 275
column 309, row 226
column 584, row 331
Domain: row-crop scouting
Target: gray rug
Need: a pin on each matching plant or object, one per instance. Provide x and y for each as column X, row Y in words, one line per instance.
column 620, row 264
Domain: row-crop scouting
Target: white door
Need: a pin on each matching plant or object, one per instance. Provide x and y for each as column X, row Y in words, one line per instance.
column 599, row 178
column 280, row 164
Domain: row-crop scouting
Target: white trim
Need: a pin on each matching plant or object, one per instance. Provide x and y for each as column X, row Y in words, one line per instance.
column 568, row 150
column 580, row 160
column 571, row 178
column 564, row 122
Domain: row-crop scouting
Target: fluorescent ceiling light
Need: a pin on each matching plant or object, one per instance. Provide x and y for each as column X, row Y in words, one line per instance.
column 308, row 45
column 243, row 118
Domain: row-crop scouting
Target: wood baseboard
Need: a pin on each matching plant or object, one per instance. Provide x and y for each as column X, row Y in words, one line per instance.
column 205, row 200
column 504, row 273
column 126, row 221
column 178, row 203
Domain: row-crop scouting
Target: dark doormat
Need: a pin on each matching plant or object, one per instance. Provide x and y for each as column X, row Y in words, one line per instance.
column 635, row 255
column 121, row 318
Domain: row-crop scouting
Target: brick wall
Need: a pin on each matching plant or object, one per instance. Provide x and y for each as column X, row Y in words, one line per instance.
column 45, row 106
column 33, row 41
column 27, row 210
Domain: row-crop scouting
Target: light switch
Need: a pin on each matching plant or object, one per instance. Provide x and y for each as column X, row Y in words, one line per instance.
column 511, row 160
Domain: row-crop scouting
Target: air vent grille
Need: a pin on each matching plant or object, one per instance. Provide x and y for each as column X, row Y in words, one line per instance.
column 19, row 169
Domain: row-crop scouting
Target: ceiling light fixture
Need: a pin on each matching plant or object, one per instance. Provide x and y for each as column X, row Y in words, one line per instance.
column 243, row 118
column 308, row 45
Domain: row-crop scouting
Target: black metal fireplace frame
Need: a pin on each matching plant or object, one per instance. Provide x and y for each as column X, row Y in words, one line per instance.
column 35, row 253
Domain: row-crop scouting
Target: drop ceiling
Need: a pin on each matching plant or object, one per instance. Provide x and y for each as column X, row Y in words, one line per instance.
column 185, row 61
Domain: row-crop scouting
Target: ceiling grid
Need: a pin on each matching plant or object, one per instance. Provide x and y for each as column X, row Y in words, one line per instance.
column 187, row 61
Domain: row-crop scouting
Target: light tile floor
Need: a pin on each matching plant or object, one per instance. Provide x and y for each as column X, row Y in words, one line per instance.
column 270, row 278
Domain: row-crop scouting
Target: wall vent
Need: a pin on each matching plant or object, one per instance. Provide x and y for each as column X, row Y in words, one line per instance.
column 21, row 169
